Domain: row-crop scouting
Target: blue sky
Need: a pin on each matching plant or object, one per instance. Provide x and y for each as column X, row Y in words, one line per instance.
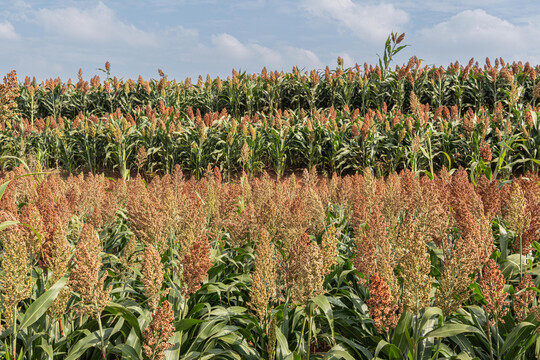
column 51, row 38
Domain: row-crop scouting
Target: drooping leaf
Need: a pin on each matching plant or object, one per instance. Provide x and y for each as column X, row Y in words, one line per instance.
column 40, row 306
column 448, row 330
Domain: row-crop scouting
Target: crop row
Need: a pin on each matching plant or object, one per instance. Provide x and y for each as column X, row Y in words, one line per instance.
column 348, row 267
column 471, row 86
column 154, row 140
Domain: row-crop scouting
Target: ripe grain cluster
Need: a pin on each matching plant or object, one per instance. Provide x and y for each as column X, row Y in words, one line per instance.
column 328, row 264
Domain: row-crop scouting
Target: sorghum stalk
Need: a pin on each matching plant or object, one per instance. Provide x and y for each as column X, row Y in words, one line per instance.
column 489, row 340
column 102, row 340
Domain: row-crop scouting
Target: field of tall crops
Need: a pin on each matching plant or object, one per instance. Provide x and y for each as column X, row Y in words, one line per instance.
column 355, row 213
column 343, row 121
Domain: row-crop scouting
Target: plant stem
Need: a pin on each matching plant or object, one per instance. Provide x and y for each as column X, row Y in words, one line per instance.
column 489, row 339
column 520, row 256
column 101, row 337
column 497, row 337
column 302, row 338
column 14, row 344
column 310, row 319
column 61, row 327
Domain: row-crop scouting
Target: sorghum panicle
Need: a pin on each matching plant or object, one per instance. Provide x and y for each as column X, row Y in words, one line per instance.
column 525, row 301
column 492, row 285
column 304, row 275
column 383, row 306
column 15, row 280
column 85, row 277
column 158, row 333
column 517, row 214
column 196, row 265
column 152, row 272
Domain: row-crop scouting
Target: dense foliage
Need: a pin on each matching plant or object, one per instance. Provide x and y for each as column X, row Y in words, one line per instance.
column 348, row 267
column 154, row 140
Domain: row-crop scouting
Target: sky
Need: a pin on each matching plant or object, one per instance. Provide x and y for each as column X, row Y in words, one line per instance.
column 188, row 38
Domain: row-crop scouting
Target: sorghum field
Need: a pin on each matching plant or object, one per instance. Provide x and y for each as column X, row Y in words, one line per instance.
column 355, row 213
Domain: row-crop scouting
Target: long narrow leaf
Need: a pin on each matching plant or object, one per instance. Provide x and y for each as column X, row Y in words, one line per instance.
column 40, row 306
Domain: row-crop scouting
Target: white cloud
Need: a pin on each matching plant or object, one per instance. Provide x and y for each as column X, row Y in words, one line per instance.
column 231, row 47
column 371, row 22
column 180, row 32
column 255, row 55
column 266, row 54
column 454, row 6
column 302, row 58
column 479, row 34
column 7, row 31
column 98, row 24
